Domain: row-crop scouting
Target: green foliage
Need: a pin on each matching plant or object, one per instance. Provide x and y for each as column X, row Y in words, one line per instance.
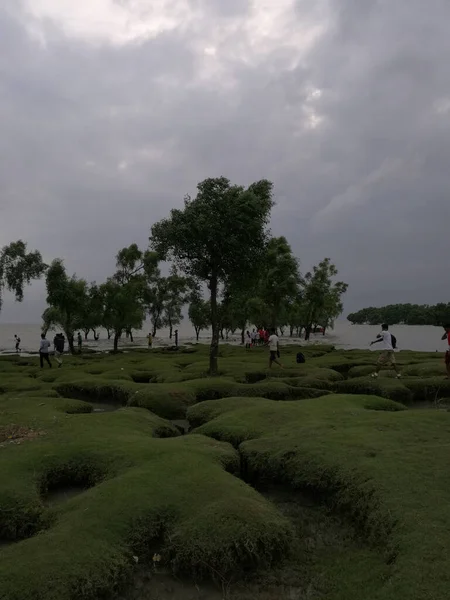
column 377, row 464
column 217, row 238
column 199, row 314
column 18, row 268
column 322, row 297
column 279, row 283
column 67, row 298
column 407, row 314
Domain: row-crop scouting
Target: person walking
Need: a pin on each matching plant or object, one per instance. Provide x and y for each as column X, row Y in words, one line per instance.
column 80, row 342
column 446, row 336
column 274, row 349
column 58, row 344
column 387, row 357
column 43, row 351
column 17, row 340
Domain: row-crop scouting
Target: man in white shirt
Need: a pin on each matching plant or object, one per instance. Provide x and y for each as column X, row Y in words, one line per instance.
column 274, row 348
column 387, row 357
column 43, row 351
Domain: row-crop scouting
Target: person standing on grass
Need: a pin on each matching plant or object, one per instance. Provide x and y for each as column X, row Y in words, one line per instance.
column 17, row 339
column 446, row 336
column 150, row 341
column 274, row 349
column 248, row 341
column 43, row 351
column 387, row 357
column 58, row 344
column 80, row 342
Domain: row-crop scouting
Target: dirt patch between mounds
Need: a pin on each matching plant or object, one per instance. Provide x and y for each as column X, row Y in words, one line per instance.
column 16, row 434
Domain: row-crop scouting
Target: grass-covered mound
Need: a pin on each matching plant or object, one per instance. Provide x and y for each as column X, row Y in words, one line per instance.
column 382, row 466
column 83, row 492
column 138, row 495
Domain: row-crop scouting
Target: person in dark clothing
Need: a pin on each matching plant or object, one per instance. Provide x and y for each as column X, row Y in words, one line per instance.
column 17, row 339
column 43, row 351
column 58, row 344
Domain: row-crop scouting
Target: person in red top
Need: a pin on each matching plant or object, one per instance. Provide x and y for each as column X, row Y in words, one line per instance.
column 446, row 336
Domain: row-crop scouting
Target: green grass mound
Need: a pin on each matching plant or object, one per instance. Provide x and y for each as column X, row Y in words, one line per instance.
column 136, row 495
column 82, row 492
column 387, row 388
column 361, row 454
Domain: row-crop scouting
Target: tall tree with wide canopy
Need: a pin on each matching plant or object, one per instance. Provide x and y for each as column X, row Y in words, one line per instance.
column 280, row 280
column 217, row 238
column 18, row 268
column 321, row 296
column 67, row 298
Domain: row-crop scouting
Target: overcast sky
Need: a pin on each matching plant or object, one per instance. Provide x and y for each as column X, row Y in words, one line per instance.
column 112, row 110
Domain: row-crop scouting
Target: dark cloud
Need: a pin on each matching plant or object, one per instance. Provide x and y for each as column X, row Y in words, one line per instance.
column 345, row 105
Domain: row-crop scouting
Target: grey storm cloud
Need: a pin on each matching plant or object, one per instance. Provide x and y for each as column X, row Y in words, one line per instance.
column 112, row 110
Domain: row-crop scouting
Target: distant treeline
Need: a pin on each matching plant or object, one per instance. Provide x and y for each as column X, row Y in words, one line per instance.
column 407, row 314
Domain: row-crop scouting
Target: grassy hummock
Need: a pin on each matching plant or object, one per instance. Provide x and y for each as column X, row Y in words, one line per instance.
column 97, row 479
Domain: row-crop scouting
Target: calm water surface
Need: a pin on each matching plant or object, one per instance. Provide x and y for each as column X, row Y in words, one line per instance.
column 345, row 335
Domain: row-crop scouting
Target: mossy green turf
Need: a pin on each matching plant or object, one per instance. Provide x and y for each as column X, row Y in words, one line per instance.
column 323, row 425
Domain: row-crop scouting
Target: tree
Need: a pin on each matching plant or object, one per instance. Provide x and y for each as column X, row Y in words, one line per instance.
column 123, row 307
column 178, row 289
column 199, row 314
column 67, row 298
column 217, row 238
column 279, row 282
column 133, row 266
column 92, row 311
column 319, row 291
column 408, row 314
column 18, row 268
column 155, row 300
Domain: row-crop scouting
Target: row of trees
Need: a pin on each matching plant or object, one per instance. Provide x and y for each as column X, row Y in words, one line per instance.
column 218, row 246
column 407, row 314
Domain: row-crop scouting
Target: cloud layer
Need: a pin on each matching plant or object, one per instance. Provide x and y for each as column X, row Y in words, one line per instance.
column 112, row 110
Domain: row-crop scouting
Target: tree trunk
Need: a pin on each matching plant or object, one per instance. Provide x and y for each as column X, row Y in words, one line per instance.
column 116, row 341
column 214, row 349
column 86, row 333
column 70, row 342
column 108, row 331
column 243, row 336
column 308, row 331
column 154, row 330
column 221, row 334
column 197, row 332
column 291, row 330
column 131, row 336
column 170, row 330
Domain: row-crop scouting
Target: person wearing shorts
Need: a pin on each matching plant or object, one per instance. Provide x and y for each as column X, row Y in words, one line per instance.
column 387, row 357
column 446, row 336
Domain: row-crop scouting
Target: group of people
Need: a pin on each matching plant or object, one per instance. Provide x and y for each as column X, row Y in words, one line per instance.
column 387, row 356
column 257, row 337
column 59, row 342
column 260, row 337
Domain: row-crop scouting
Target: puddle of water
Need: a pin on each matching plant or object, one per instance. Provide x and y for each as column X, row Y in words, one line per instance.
column 64, row 494
column 101, row 407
